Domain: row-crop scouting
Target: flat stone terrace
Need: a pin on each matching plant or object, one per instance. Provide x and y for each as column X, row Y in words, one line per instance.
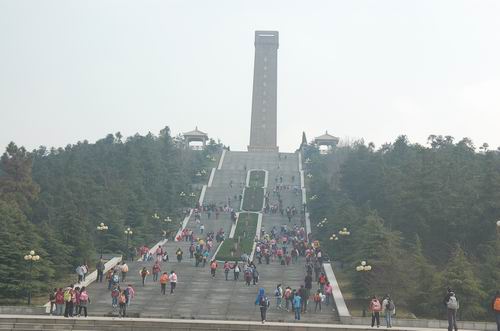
column 198, row 296
column 28, row 323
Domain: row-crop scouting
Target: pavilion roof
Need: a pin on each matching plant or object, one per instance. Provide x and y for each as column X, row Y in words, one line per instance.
column 327, row 136
column 195, row 132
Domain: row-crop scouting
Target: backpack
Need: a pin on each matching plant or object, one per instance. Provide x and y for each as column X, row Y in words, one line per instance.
column 317, row 298
column 213, row 265
column 452, row 303
column 122, row 298
column 376, row 305
column 84, row 296
column 115, row 278
column 67, row 296
column 390, row 305
column 496, row 304
column 125, row 268
column 264, row 302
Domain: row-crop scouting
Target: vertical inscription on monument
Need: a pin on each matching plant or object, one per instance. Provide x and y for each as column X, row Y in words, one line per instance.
column 263, row 130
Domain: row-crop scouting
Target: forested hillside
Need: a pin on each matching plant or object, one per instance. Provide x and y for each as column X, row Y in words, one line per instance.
column 51, row 201
column 423, row 217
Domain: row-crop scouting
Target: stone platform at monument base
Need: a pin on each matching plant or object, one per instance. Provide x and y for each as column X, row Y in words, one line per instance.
column 421, row 323
column 18, row 322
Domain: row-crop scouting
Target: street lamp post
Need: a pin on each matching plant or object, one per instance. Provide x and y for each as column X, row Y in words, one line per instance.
column 364, row 267
column 102, row 228
column 31, row 258
column 128, row 232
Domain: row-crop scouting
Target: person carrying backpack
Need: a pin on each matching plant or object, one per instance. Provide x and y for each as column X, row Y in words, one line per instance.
column 144, row 273
column 59, row 302
column 452, row 305
column 52, row 300
column 213, row 268
column 375, row 308
column 122, row 301
column 263, row 303
column 388, row 309
column 84, row 301
column 163, row 282
column 495, row 306
column 130, row 292
column 317, row 301
column 115, row 292
column 68, row 300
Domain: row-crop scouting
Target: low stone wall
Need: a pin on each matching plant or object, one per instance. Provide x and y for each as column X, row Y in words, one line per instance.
column 22, row 310
column 420, row 323
column 135, row 324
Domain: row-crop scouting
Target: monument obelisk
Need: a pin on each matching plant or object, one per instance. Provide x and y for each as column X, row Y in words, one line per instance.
column 263, row 130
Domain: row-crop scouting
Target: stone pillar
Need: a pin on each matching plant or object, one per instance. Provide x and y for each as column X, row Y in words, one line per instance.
column 263, row 130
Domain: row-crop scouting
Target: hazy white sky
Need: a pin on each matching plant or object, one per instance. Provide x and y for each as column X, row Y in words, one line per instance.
column 74, row 70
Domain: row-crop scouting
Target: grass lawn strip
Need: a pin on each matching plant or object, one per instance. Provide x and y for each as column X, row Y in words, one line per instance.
column 253, row 199
column 257, row 178
column 246, row 230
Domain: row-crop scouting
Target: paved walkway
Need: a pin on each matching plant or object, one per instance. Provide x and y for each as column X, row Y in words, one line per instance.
column 198, row 295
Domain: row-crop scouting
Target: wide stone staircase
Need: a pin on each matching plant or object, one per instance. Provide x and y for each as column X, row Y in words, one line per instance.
column 198, row 296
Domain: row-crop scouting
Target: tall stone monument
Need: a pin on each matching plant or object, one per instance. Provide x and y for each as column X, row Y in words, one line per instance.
column 264, row 115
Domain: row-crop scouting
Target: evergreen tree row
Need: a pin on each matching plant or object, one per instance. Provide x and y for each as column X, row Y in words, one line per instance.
column 51, row 201
column 423, row 217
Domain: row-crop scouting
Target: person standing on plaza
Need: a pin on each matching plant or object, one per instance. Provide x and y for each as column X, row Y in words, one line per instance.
column 375, row 308
column 59, row 302
column 452, row 305
column 52, row 300
column 68, row 300
column 173, row 281
column 388, row 309
column 84, row 301
column 495, row 306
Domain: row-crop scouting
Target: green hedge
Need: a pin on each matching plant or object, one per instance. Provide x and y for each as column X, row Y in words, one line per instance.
column 253, row 199
column 246, row 230
column 257, row 178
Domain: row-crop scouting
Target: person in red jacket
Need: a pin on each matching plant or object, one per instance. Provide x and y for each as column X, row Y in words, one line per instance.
column 59, row 302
